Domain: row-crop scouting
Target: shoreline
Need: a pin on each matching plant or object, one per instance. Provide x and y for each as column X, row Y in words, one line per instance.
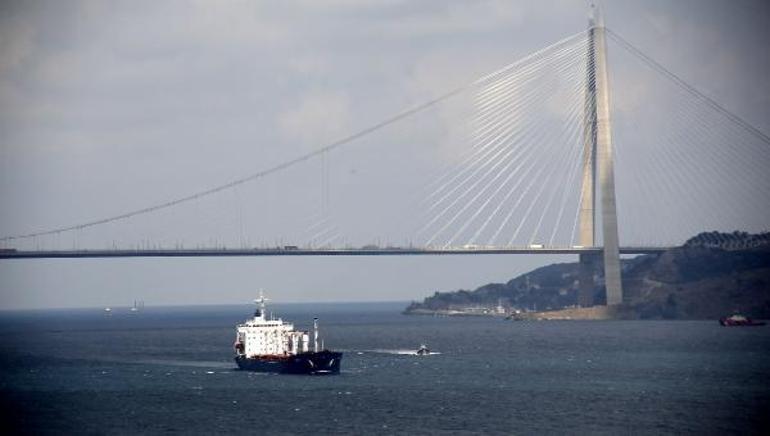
column 595, row 313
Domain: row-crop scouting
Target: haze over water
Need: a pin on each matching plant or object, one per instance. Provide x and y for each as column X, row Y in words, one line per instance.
column 170, row 370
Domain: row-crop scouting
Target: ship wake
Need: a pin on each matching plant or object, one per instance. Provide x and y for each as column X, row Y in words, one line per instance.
column 402, row 352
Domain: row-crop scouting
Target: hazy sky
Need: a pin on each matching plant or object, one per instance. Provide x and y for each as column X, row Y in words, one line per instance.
column 111, row 106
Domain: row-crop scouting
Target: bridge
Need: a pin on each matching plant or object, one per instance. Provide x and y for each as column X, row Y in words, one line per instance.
column 296, row 251
column 535, row 175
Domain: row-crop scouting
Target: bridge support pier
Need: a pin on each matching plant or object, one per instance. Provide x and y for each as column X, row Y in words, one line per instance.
column 598, row 161
column 586, row 282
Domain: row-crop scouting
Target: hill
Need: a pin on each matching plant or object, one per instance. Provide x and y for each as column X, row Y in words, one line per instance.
column 711, row 275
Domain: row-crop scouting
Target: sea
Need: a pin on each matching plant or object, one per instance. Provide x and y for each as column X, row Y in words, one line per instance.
column 170, row 370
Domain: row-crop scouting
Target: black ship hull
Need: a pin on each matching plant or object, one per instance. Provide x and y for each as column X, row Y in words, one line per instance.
column 322, row 362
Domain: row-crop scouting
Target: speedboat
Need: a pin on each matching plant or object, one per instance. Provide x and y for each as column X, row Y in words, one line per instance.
column 737, row 319
column 422, row 351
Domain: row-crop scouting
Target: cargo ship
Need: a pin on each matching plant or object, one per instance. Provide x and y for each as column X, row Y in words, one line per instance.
column 267, row 344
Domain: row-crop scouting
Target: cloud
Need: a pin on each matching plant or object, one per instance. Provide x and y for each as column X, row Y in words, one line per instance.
column 456, row 17
column 16, row 44
column 660, row 22
column 309, row 65
column 320, row 116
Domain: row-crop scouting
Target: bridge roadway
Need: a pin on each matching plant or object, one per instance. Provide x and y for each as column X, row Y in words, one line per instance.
column 291, row 251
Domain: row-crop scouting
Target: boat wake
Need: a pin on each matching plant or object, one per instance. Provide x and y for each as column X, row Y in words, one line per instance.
column 188, row 363
column 171, row 362
column 400, row 352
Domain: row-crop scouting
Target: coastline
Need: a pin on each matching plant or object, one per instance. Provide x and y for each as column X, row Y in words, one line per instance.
column 595, row 313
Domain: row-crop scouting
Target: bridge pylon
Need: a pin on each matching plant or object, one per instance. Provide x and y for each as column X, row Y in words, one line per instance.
column 598, row 164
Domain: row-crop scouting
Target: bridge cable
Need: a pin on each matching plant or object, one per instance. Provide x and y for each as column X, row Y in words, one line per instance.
column 469, row 189
column 502, row 139
column 571, row 129
column 334, row 145
column 687, row 87
column 483, row 147
column 567, row 127
column 493, row 238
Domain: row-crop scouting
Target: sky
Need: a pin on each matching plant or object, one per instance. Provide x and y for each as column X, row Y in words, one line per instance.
column 107, row 107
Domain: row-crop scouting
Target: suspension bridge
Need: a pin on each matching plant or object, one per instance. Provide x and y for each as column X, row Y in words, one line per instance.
column 532, row 171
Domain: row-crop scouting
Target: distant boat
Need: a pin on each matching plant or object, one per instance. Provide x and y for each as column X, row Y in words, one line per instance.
column 107, row 310
column 738, row 320
column 136, row 308
column 423, row 350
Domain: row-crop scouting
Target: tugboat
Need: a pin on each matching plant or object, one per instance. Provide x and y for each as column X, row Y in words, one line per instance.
column 737, row 319
column 271, row 345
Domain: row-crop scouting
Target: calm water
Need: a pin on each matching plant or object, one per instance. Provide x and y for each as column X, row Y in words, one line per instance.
column 170, row 370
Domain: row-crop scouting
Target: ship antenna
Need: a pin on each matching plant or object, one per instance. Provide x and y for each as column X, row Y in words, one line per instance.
column 315, row 335
column 261, row 302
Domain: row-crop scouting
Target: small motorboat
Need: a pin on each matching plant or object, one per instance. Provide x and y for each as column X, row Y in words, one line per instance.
column 738, row 320
column 422, row 351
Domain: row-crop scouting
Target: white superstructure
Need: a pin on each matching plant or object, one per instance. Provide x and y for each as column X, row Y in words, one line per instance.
column 263, row 336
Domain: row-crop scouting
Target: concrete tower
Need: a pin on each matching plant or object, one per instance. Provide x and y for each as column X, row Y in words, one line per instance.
column 597, row 161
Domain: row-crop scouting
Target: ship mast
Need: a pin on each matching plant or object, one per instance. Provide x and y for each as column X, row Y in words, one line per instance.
column 261, row 303
column 315, row 335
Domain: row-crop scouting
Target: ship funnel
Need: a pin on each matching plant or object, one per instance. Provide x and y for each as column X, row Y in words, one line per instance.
column 315, row 335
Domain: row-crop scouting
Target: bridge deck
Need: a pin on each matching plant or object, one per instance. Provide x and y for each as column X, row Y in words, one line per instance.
column 214, row 252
